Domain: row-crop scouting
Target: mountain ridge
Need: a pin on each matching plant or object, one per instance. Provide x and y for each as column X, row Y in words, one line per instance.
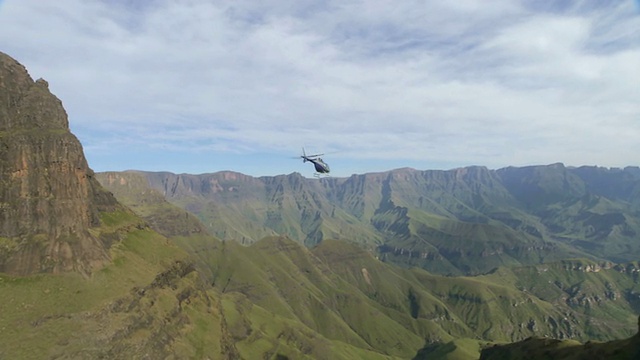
column 435, row 219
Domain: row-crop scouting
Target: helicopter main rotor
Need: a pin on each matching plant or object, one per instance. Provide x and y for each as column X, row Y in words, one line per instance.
column 306, row 157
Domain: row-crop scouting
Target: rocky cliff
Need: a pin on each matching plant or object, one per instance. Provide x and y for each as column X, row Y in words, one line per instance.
column 546, row 348
column 49, row 199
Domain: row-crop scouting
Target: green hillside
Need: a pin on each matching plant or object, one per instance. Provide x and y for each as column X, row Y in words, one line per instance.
column 128, row 308
column 337, row 292
column 189, row 295
column 276, row 297
column 598, row 295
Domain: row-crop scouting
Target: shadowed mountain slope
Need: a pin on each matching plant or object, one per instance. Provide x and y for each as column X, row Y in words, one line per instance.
column 551, row 349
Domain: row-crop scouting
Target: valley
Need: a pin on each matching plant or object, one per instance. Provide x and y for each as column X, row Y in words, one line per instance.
column 578, row 299
column 404, row 264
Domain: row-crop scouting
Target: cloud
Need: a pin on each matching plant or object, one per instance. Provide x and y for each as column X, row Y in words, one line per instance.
column 514, row 83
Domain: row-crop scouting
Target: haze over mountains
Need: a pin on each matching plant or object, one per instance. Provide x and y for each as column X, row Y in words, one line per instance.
column 83, row 275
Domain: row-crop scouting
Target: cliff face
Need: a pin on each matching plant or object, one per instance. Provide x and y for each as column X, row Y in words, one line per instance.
column 48, row 197
column 546, row 348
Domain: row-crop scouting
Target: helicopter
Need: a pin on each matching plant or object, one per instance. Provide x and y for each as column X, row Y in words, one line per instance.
column 320, row 166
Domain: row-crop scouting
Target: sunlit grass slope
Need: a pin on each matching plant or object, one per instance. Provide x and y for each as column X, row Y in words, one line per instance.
column 128, row 308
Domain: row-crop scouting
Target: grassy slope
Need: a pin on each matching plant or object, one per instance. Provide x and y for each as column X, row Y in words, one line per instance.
column 280, row 276
column 273, row 298
column 124, row 308
column 601, row 298
column 262, row 320
column 338, row 301
column 341, row 292
column 118, row 311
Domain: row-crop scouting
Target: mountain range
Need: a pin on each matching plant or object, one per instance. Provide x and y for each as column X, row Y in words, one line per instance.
column 226, row 266
column 459, row 222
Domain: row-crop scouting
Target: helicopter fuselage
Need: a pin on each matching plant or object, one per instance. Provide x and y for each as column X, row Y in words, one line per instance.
column 321, row 166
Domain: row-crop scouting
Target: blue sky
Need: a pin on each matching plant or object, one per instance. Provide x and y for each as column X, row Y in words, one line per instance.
column 203, row 86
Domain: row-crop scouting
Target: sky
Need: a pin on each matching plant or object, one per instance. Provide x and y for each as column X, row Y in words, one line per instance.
column 195, row 86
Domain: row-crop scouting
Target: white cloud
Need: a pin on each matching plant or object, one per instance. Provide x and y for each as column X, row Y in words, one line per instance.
column 441, row 82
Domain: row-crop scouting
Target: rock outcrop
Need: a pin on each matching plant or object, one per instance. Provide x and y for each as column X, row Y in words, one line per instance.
column 546, row 348
column 49, row 199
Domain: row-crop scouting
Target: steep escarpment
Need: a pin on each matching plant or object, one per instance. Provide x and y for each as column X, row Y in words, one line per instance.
column 49, row 199
column 460, row 221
